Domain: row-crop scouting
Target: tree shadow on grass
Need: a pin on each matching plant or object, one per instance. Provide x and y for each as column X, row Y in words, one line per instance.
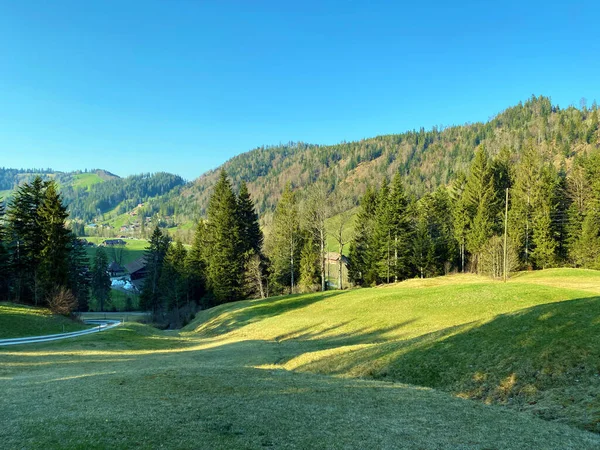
column 545, row 359
column 221, row 320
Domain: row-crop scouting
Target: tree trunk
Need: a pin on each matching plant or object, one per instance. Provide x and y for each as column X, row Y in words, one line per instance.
column 340, row 267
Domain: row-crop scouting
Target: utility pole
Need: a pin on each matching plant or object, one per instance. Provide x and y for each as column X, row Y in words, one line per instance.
column 505, row 236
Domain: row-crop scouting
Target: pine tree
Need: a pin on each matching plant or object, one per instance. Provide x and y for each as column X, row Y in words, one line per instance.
column 399, row 222
column 4, row 262
column 196, row 262
column 423, row 249
column 361, row 257
column 251, row 241
column 586, row 248
column 480, row 203
column 56, row 243
column 26, row 240
column 173, row 280
column 460, row 217
column 251, row 236
column 309, row 266
column 80, row 277
column 286, row 242
column 150, row 298
column 225, row 259
column 100, row 279
column 383, row 248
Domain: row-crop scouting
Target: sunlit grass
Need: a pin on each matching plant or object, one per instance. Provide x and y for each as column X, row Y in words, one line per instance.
column 303, row 372
column 22, row 321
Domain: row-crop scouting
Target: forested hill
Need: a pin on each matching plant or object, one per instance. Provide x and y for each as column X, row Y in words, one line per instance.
column 426, row 159
column 90, row 195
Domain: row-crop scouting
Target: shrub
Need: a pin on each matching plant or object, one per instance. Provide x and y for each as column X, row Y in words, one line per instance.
column 62, row 301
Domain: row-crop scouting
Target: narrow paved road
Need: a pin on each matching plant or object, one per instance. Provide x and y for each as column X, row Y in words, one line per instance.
column 99, row 325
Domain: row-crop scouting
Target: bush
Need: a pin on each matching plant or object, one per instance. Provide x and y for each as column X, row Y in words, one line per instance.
column 62, row 301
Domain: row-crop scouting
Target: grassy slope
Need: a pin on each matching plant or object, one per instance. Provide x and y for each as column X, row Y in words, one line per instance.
column 21, row 321
column 133, row 250
column 86, row 180
column 223, row 387
column 134, row 387
column 532, row 344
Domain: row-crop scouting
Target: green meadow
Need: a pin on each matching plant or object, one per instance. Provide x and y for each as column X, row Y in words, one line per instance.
column 459, row 362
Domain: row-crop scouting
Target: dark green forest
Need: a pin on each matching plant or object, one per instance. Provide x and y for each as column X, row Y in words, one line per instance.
column 521, row 191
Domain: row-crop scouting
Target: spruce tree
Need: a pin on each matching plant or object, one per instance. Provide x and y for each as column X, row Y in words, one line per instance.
column 100, row 279
column 56, row 243
column 399, row 222
column 309, row 266
column 196, row 263
column 27, row 240
column 79, row 273
column 225, row 259
column 251, row 242
column 173, row 280
column 361, row 256
column 251, row 236
column 383, row 244
column 4, row 262
column 286, row 242
column 150, row 298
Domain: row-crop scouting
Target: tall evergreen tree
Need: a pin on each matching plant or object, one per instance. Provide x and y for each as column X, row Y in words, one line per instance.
column 251, row 236
column 316, row 211
column 196, row 262
column 56, row 243
column 225, row 260
column 399, row 222
column 383, row 244
column 309, row 266
column 173, row 280
column 4, row 262
column 27, row 240
column 480, row 203
column 100, row 279
column 361, row 255
column 286, row 242
column 150, row 298
column 80, row 277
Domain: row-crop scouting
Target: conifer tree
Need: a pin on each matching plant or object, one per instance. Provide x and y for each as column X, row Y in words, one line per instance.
column 251, row 241
column 423, row 249
column 79, row 273
column 460, row 217
column 251, row 236
column 56, row 243
column 173, row 281
column 150, row 298
column 399, row 222
column 26, row 240
column 361, row 255
column 309, row 266
column 480, row 203
column 101, row 279
column 4, row 267
column 225, row 259
column 196, row 262
column 286, row 241
column 383, row 244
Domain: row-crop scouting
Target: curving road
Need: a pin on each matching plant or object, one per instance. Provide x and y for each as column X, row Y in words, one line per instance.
column 99, row 325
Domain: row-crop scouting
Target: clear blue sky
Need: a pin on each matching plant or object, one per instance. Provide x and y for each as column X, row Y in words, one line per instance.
column 182, row 86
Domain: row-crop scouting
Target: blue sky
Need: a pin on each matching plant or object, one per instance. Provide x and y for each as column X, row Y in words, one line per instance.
column 182, row 86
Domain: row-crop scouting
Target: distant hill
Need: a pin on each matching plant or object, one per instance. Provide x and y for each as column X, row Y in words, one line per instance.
column 426, row 158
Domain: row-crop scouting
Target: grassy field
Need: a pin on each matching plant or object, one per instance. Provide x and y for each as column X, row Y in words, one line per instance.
column 86, row 180
column 22, row 321
column 313, row 371
column 133, row 250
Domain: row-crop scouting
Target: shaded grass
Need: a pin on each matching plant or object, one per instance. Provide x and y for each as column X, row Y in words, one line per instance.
column 136, row 387
column 532, row 344
column 22, row 321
